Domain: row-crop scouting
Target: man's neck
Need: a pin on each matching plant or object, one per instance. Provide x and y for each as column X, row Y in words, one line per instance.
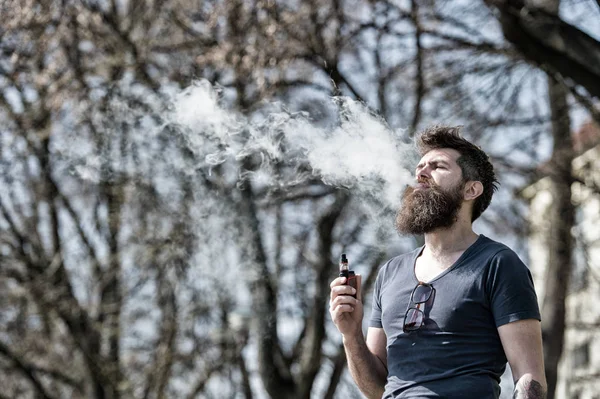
column 441, row 243
column 442, row 249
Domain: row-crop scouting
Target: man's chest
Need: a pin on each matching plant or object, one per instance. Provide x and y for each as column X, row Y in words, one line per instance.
column 458, row 304
column 427, row 269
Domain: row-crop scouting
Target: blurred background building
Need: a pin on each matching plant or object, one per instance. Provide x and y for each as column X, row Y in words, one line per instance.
column 579, row 369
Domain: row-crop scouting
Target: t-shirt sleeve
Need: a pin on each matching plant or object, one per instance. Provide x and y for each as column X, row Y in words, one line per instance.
column 375, row 320
column 510, row 289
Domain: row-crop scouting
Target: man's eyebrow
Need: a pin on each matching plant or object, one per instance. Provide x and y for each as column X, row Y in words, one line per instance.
column 440, row 161
column 434, row 162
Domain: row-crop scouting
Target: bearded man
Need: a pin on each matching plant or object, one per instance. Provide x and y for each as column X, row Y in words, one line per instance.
column 448, row 316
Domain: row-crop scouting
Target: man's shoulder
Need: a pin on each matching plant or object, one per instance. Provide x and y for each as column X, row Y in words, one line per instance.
column 491, row 247
column 500, row 256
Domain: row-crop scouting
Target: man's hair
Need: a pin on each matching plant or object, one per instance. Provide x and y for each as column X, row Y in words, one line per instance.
column 473, row 161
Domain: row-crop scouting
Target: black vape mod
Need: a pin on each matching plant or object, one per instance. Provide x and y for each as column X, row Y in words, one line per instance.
column 346, row 272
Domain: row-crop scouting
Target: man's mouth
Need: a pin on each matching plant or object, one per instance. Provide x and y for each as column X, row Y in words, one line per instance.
column 421, row 186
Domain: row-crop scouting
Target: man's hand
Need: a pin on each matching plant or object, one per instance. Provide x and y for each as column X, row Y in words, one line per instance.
column 346, row 311
column 528, row 388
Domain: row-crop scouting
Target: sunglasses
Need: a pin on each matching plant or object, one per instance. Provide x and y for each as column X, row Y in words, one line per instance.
column 413, row 319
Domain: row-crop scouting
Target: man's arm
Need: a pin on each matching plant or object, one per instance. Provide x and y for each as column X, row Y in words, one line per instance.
column 367, row 361
column 522, row 343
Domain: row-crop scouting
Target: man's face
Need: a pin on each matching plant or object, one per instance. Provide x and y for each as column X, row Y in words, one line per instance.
column 439, row 167
column 436, row 199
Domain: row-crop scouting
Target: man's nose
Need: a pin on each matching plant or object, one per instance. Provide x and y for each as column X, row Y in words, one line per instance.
column 423, row 173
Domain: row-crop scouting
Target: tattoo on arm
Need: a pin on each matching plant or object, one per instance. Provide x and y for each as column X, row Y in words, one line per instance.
column 529, row 390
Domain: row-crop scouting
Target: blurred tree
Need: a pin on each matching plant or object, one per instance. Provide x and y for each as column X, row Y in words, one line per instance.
column 571, row 58
column 103, row 233
column 92, row 246
column 133, row 267
column 561, row 49
column 559, row 240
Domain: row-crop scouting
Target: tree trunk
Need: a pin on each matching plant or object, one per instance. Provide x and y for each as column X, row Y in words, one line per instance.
column 559, row 240
column 311, row 357
column 274, row 373
column 550, row 43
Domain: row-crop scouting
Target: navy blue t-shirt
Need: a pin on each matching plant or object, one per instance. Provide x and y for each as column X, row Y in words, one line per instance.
column 457, row 352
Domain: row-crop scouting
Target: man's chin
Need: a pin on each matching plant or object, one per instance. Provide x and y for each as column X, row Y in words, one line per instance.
column 410, row 233
column 410, row 220
column 420, row 230
column 406, row 225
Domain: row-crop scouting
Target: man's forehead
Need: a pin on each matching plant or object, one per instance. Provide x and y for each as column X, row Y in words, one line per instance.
column 440, row 154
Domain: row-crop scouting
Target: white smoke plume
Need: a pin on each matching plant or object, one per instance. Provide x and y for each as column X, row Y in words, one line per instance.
column 359, row 152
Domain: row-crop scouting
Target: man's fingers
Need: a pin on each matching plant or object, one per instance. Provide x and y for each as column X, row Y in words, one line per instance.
column 338, row 281
column 342, row 309
column 343, row 300
column 338, row 309
column 342, row 290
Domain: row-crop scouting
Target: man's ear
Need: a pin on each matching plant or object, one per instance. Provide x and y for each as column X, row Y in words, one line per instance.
column 473, row 189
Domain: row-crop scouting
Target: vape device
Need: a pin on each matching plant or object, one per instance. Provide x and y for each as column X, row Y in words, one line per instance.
column 346, row 272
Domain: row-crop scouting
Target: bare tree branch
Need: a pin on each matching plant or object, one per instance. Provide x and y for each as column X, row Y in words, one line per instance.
column 310, row 358
column 26, row 370
column 551, row 43
column 420, row 84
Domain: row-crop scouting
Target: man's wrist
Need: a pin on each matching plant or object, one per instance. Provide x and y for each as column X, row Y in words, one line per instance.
column 353, row 339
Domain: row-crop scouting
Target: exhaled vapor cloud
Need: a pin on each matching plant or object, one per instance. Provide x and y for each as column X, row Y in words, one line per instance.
column 359, row 151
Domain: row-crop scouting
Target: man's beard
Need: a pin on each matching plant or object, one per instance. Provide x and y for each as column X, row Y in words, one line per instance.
column 425, row 210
